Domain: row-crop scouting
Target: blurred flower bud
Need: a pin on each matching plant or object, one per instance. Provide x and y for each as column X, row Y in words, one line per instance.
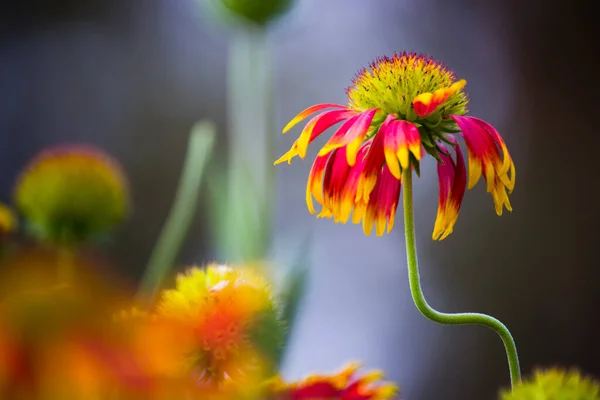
column 70, row 194
column 256, row 12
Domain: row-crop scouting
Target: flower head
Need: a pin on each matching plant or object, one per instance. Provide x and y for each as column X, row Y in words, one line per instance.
column 72, row 193
column 225, row 312
column 343, row 385
column 555, row 384
column 399, row 109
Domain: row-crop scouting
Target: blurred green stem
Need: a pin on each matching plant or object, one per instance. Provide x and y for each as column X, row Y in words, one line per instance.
column 443, row 318
column 250, row 112
column 169, row 243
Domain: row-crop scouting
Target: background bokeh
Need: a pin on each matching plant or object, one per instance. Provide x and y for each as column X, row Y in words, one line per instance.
column 133, row 76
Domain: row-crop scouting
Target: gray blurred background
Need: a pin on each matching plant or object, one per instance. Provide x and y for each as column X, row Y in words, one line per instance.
column 133, row 76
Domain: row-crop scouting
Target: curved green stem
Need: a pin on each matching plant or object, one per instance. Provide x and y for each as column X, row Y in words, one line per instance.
column 443, row 318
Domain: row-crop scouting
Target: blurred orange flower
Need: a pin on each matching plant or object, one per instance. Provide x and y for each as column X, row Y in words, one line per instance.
column 56, row 342
column 218, row 309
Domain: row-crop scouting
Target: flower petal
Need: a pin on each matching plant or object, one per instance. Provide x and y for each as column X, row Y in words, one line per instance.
column 400, row 138
column 383, row 202
column 453, row 183
column 307, row 112
column 312, row 130
column 375, row 158
column 314, row 186
column 425, row 104
column 352, row 137
column 334, row 181
column 498, row 169
column 349, row 192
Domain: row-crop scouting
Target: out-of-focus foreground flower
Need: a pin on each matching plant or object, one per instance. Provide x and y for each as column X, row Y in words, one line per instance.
column 230, row 322
column 347, row 384
column 400, row 109
column 70, row 194
column 56, row 342
column 555, row 384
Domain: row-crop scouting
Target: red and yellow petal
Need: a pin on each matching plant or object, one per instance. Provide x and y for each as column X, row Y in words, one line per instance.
column 310, row 110
column 314, row 186
column 381, row 209
column 375, row 158
column 351, row 135
column 485, row 158
column 348, row 199
column 334, row 182
column 425, row 104
column 452, row 182
column 312, row 130
column 400, row 139
column 345, row 385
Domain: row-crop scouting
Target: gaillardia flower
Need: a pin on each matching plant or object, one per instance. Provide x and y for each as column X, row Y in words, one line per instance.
column 399, row 109
column 232, row 320
column 72, row 193
column 555, row 384
column 344, row 385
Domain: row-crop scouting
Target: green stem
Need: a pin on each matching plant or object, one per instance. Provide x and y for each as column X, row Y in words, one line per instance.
column 251, row 147
column 443, row 318
column 177, row 224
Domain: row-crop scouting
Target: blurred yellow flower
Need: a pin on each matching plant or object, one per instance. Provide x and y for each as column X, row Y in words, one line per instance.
column 8, row 222
column 224, row 311
column 72, row 193
column 343, row 385
column 555, row 384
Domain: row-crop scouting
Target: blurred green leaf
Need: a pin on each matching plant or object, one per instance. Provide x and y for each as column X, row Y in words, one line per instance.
column 201, row 143
column 293, row 289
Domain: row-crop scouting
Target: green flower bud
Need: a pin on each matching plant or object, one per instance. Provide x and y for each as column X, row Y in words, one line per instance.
column 256, row 12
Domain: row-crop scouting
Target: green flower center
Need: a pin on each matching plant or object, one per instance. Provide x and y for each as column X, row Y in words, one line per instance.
column 391, row 84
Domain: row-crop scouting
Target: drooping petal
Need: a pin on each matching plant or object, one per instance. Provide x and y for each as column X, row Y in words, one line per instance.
column 381, row 209
column 307, row 112
column 425, row 104
column 314, row 186
column 484, row 145
column 353, row 137
column 507, row 162
column 400, row 138
column 312, row 130
column 452, row 178
column 348, row 199
column 333, row 183
column 372, row 168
